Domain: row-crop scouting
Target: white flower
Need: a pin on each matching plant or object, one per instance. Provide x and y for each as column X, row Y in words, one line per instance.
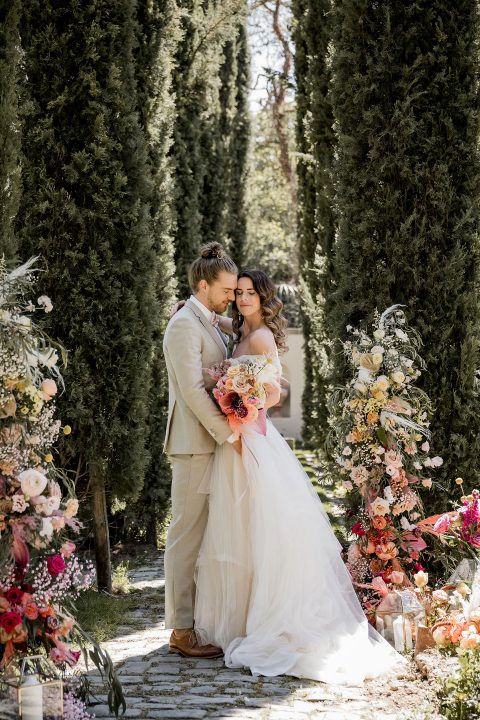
column 382, row 383
column 421, row 579
column 19, row 504
column 380, row 506
column 45, row 302
column 47, row 528
column 377, row 357
column 393, row 352
column 405, row 524
column 379, row 334
column 360, row 387
column 417, row 465
column 401, row 334
column 437, row 461
column 347, row 451
column 398, row 376
column 388, row 493
column 32, row 482
column 425, row 446
column 51, row 504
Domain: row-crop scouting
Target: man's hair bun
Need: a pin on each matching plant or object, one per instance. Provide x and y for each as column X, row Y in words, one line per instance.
column 212, row 250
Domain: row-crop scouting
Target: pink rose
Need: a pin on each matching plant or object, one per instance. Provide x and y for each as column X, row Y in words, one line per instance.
column 397, row 577
column 55, row 565
column 68, row 548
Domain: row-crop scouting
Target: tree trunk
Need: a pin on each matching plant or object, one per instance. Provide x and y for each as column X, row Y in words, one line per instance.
column 151, row 533
column 100, row 528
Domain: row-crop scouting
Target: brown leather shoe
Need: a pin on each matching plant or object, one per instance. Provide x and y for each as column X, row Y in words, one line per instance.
column 185, row 643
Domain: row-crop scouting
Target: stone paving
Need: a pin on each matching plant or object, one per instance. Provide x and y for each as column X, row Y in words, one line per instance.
column 162, row 685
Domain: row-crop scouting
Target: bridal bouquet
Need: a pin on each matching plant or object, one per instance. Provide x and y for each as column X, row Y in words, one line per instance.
column 240, row 390
column 380, row 424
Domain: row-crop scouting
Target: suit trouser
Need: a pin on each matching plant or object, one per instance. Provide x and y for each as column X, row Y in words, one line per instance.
column 184, row 537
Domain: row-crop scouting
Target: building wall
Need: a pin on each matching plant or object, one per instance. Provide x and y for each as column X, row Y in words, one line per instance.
column 287, row 416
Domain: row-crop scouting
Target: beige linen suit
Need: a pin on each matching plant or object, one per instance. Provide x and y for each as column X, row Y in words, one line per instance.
column 194, row 427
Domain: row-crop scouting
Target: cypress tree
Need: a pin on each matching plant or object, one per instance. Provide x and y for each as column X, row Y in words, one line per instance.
column 9, row 124
column 158, row 36
column 315, row 144
column 84, row 209
column 405, row 96
column 236, row 225
column 204, row 88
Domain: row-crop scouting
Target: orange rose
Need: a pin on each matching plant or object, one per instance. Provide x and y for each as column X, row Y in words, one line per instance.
column 379, row 522
column 31, row 611
column 372, row 417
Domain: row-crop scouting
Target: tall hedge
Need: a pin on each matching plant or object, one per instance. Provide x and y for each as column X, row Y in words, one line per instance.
column 405, row 97
column 158, row 36
column 85, row 210
column 10, row 58
column 315, row 143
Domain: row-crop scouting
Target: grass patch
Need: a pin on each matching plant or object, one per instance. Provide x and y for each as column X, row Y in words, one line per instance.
column 100, row 614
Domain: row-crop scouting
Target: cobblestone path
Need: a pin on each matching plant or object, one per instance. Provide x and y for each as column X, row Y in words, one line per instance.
column 162, row 685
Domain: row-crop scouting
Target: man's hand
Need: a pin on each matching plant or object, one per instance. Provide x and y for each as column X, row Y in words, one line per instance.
column 238, row 445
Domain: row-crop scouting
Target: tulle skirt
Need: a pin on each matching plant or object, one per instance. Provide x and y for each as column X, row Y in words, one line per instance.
column 272, row 589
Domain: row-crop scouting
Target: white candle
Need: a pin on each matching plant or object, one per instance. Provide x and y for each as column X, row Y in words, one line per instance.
column 408, row 635
column 31, row 698
column 380, row 626
column 398, row 636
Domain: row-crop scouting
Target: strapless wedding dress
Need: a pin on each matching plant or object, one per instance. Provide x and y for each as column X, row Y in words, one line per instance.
column 272, row 589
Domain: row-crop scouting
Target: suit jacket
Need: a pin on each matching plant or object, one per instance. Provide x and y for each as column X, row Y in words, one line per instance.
column 195, row 424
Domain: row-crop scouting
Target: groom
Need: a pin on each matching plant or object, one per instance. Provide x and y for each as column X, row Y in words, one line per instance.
column 194, row 427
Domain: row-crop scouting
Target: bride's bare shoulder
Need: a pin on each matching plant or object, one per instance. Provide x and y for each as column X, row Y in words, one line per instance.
column 262, row 341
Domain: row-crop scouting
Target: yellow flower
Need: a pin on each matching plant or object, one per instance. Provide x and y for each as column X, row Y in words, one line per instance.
column 67, row 430
column 459, row 481
column 24, row 410
column 48, row 457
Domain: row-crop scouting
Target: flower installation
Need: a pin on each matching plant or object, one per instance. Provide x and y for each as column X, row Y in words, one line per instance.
column 40, row 572
column 240, row 390
column 380, row 427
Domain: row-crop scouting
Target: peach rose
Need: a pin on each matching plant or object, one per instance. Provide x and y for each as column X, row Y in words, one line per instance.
column 71, row 508
column 48, row 389
column 397, row 577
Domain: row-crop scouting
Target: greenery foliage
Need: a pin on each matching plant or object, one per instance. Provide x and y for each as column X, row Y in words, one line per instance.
column 10, row 58
column 315, row 144
column 85, row 211
column 405, row 98
column 459, row 696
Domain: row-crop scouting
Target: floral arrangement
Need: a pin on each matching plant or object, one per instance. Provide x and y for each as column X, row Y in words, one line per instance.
column 40, row 573
column 240, row 390
column 380, row 427
column 461, row 525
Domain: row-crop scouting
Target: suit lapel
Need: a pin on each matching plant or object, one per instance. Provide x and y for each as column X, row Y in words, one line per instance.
column 208, row 326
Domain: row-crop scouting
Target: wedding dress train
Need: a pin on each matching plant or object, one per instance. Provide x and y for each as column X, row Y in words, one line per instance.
column 272, row 589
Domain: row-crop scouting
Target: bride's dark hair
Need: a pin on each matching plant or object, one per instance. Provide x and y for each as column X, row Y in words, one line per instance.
column 271, row 307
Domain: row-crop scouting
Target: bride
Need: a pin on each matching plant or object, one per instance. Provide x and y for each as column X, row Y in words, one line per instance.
column 272, row 589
